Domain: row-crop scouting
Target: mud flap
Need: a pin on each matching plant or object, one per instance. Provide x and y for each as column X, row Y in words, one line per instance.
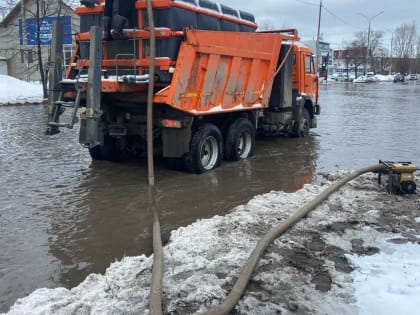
column 297, row 116
column 176, row 141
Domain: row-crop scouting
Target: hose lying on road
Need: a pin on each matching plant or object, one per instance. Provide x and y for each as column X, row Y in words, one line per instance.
column 239, row 288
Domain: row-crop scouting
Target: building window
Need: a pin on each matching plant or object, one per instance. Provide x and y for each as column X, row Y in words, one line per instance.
column 67, row 52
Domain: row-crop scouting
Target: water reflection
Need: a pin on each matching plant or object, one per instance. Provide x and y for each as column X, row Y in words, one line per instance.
column 62, row 216
column 33, row 174
column 107, row 216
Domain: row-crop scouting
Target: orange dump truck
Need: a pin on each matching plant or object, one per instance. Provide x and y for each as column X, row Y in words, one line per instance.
column 218, row 83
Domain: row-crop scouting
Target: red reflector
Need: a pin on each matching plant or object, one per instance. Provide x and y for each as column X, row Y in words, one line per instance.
column 169, row 123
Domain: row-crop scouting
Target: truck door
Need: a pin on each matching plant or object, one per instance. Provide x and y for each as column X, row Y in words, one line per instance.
column 311, row 78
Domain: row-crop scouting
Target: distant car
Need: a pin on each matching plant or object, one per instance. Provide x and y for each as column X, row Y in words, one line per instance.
column 343, row 78
column 413, row 77
column 399, row 78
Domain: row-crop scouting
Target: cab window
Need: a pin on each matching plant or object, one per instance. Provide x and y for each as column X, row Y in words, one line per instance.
column 309, row 65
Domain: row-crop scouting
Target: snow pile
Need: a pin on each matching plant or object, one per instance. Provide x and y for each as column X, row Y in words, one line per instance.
column 384, row 78
column 306, row 270
column 388, row 283
column 14, row 91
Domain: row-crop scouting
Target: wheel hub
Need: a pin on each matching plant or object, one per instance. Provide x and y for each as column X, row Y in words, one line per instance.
column 209, row 153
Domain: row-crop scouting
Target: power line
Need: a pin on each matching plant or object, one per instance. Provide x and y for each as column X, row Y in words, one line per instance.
column 339, row 18
column 307, row 2
column 329, row 11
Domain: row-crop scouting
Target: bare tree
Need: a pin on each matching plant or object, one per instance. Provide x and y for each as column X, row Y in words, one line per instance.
column 265, row 25
column 39, row 11
column 404, row 46
column 375, row 44
column 383, row 60
column 355, row 54
column 417, row 61
column 347, row 59
column 48, row 9
column 43, row 9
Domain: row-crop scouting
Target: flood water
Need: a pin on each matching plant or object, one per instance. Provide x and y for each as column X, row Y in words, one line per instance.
column 63, row 216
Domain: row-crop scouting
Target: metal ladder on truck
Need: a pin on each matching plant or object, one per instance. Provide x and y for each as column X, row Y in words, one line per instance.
column 58, row 107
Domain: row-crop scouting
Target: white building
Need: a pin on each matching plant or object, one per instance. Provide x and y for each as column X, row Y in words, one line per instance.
column 20, row 51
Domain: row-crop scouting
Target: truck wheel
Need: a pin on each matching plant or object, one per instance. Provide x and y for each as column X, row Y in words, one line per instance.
column 95, row 153
column 108, row 151
column 205, row 149
column 240, row 140
column 301, row 129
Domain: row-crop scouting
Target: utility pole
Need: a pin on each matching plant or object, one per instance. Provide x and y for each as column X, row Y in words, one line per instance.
column 24, row 37
column 317, row 37
column 368, row 37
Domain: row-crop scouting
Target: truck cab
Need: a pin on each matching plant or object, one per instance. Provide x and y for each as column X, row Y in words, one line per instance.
column 306, row 80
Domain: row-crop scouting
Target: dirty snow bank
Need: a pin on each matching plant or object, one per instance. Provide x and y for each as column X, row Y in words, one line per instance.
column 14, row 91
column 305, row 271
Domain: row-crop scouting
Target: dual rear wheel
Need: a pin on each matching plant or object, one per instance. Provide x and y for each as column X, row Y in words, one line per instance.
column 207, row 148
column 240, row 140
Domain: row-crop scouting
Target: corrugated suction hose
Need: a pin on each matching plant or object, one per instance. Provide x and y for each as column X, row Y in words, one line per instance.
column 155, row 303
column 239, row 288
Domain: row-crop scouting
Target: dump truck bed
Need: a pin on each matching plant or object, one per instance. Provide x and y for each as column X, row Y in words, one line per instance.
column 223, row 71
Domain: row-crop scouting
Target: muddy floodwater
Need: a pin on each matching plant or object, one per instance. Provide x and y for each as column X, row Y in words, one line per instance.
column 63, row 216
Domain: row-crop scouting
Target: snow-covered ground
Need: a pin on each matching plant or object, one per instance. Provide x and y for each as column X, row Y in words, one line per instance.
column 384, row 78
column 388, row 282
column 357, row 253
column 14, row 91
column 339, row 77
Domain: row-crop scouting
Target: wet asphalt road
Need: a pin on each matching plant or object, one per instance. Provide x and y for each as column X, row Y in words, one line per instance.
column 63, row 216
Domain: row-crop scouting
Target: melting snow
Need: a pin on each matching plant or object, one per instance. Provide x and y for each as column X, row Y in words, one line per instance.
column 14, row 91
column 203, row 260
column 388, row 283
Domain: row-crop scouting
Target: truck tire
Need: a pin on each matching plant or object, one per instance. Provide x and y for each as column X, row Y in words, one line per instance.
column 95, row 153
column 206, row 149
column 240, row 140
column 108, row 151
column 301, row 129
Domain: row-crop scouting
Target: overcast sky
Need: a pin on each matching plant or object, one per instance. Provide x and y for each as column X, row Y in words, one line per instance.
column 340, row 19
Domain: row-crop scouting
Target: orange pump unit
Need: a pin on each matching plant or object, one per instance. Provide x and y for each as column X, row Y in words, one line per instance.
column 401, row 179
